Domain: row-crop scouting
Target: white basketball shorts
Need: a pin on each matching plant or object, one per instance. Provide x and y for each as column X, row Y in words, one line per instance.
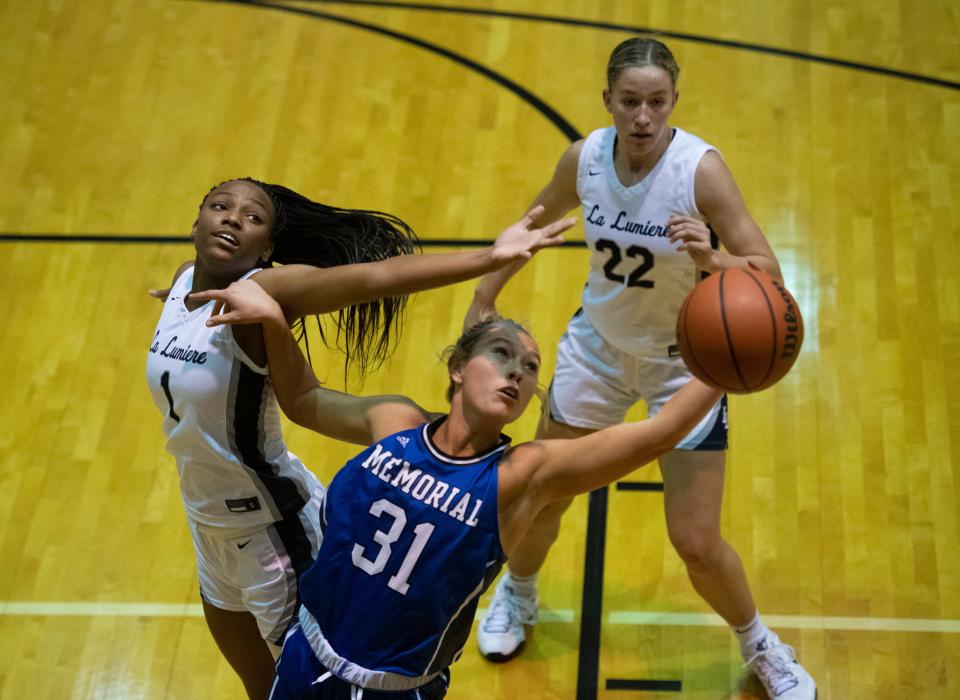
column 256, row 569
column 595, row 384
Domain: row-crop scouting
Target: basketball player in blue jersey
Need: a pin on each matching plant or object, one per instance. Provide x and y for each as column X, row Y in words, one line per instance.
column 251, row 504
column 648, row 191
column 417, row 525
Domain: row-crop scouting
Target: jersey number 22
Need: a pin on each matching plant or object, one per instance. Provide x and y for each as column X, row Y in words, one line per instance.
column 616, row 255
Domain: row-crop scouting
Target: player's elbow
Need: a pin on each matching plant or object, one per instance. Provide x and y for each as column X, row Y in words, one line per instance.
column 300, row 410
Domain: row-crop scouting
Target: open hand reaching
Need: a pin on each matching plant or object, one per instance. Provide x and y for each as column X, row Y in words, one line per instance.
column 520, row 241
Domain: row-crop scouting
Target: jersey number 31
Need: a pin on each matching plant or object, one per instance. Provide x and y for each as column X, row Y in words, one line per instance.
column 421, row 533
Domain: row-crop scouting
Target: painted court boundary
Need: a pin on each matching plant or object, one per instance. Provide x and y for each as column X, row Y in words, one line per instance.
column 616, row 617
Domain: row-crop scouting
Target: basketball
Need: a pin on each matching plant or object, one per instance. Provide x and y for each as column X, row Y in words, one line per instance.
column 739, row 330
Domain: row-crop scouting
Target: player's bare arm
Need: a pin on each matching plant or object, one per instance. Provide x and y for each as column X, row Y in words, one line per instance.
column 557, row 198
column 359, row 420
column 303, row 290
column 720, row 201
column 562, row 469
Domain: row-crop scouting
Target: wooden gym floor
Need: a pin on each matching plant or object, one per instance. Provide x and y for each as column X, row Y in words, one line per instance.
column 843, row 491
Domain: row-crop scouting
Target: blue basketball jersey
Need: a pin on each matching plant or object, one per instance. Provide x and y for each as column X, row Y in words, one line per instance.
column 410, row 542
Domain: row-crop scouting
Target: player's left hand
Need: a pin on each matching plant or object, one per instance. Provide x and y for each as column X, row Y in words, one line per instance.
column 694, row 238
column 160, row 294
column 521, row 241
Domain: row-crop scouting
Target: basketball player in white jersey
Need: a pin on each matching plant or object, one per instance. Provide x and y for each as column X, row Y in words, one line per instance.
column 418, row 524
column 252, row 506
column 648, row 192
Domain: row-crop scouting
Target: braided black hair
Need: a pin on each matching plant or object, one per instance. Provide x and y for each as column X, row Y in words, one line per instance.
column 312, row 233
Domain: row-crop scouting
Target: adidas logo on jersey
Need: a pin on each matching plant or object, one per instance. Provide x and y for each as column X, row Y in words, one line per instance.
column 403, row 440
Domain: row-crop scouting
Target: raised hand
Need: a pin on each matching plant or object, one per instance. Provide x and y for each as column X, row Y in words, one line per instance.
column 244, row 301
column 520, row 241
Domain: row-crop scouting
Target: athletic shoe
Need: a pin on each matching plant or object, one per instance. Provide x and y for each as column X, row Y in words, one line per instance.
column 501, row 634
column 775, row 664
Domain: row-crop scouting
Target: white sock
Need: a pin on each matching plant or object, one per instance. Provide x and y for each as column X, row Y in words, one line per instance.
column 754, row 637
column 523, row 586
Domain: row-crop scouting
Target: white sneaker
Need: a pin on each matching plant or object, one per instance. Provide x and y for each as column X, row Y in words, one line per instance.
column 775, row 664
column 501, row 634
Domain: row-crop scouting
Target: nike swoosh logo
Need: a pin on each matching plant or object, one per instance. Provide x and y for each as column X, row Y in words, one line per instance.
column 590, row 172
column 241, row 545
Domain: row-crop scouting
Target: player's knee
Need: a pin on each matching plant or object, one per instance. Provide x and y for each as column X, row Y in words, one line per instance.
column 697, row 548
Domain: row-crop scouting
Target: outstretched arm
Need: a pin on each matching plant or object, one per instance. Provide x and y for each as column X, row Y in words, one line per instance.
column 557, row 198
column 357, row 419
column 559, row 469
column 302, row 290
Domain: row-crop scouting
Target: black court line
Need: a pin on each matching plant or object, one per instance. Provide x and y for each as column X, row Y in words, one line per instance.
column 681, row 36
column 643, row 685
column 185, row 240
column 91, row 238
column 546, row 110
column 648, row 685
column 639, row 486
column 591, row 612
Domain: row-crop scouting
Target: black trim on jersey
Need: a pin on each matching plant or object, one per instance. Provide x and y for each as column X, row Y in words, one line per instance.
column 248, row 437
column 430, row 428
column 299, row 551
column 295, row 541
column 323, row 516
column 715, row 245
column 455, row 636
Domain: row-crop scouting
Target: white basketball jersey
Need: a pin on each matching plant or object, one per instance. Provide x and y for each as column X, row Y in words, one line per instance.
column 222, row 421
column 638, row 280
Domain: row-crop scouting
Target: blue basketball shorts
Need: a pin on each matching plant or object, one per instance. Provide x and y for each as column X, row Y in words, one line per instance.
column 301, row 676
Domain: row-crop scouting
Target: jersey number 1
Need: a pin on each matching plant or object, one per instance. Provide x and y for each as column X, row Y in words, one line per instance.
column 421, row 533
column 165, row 385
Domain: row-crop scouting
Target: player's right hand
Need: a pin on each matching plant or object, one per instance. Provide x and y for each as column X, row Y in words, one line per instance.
column 244, row 301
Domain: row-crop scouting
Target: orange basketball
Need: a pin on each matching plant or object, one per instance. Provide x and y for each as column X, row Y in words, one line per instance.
column 739, row 330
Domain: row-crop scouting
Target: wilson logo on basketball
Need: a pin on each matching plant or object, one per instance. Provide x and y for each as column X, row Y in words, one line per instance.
column 791, row 318
column 740, row 330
